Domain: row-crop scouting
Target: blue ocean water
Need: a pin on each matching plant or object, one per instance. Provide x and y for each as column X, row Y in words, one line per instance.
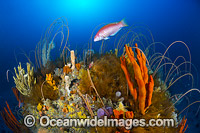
column 23, row 22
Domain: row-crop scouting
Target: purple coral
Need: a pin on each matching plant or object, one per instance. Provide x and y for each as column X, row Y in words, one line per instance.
column 100, row 113
column 110, row 110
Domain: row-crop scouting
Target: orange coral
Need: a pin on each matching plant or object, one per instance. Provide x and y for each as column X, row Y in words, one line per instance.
column 118, row 114
column 145, row 89
column 67, row 69
column 62, row 98
column 78, row 66
column 49, row 79
column 142, row 62
column 123, row 130
column 15, row 91
column 182, row 125
column 130, row 84
column 45, row 108
column 65, row 110
column 129, row 114
column 149, row 91
column 51, row 82
column 138, row 78
column 17, row 95
column 10, row 120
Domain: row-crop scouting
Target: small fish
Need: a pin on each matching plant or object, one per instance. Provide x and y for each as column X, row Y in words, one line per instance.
column 109, row 30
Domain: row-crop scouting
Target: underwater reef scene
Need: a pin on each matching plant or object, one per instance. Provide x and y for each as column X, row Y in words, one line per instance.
column 131, row 81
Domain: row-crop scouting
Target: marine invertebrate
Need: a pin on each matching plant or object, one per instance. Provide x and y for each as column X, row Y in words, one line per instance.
column 121, row 107
column 150, row 86
column 138, row 78
column 45, row 45
column 39, row 107
column 65, row 110
column 41, row 91
column 10, row 120
column 118, row 94
column 18, row 96
column 72, row 56
column 100, row 113
column 46, row 52
column 110, row 110
column 182, row 127
column 118, row 114
column 58, row 71
column 24, row 81
column 67, row 84
column 141, row 76
column 50, row 81
column 88, row 56
column 78, row 66
column 128, row 78
column 129, row 114
column 66, row 69
column 87, row 104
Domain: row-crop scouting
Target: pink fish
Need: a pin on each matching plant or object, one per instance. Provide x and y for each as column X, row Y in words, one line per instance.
column 109, row 30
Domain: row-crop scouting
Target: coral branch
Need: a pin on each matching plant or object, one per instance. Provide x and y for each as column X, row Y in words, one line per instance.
column 24, row 81
column 182, row 125
column 130, row 84
column 149, row 91
column 145, row 89
column 15, row 91
column 142, row 61
column 12, row 116
column 72, row 55
column 10, row 119
column 139, row 79
column 145, row 70
column 50, row 81
column 92, row 84
column 78, row 66
column 87, row 103
column 66, row 69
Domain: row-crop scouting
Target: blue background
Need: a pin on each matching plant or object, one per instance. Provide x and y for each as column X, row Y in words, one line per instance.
column 22, row 22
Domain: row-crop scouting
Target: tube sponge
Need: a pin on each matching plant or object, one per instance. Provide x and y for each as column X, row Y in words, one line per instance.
column 149, row 91
column 72, row 59
column 139, row 79
column 145, row 88
column 130, row 84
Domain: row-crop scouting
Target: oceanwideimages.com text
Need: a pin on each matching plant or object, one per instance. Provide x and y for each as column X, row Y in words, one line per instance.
column 45, row 121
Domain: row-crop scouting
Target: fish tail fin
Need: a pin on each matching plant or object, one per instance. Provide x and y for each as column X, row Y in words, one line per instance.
column 123, row 22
